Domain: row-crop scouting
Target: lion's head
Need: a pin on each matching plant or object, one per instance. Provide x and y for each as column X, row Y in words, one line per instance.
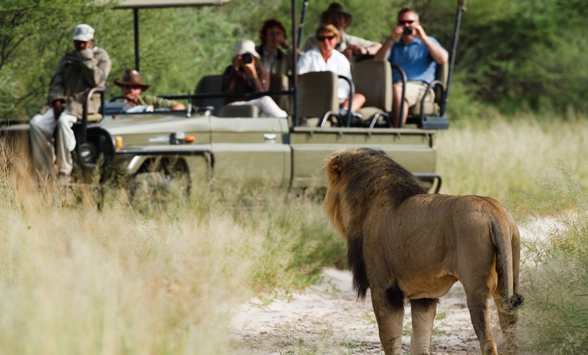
column 356, row 178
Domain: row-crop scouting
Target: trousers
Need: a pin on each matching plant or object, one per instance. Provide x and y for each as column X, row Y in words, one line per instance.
column 267, row 106
column 49, row 153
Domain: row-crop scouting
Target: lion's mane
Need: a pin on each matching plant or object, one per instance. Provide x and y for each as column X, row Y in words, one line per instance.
column 357, row 178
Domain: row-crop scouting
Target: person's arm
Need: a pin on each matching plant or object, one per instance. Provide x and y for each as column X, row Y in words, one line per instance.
column 383, row 52
column 438, row 53
column 95, row 66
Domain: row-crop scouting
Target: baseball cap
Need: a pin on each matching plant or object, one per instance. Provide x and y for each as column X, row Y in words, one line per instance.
column 83, row 33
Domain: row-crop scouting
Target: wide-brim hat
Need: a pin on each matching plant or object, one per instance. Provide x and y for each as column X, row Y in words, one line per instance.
column 246, row 46
column 336, row 7
column 132, row 78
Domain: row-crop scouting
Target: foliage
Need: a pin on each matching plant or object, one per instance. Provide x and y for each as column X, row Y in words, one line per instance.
column 517, row 55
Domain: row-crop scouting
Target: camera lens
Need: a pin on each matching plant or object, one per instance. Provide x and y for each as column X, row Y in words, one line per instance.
column 407, row 30
column 247, row 58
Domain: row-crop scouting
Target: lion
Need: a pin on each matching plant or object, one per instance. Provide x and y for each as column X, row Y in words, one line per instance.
column 406, row 244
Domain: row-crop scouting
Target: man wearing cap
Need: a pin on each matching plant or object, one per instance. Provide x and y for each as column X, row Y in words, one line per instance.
column 77, row 72
column 247, row 75
column 409, row 47
column 351, row 46
column 132, row 87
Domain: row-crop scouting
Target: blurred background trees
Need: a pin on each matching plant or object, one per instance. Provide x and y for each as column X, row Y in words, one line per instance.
column 512, row 55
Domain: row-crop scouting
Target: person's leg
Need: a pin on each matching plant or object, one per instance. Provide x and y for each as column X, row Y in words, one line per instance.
column 396, row 100
column 356, row 104
column 65, row 143
column 269, row 108
column 41, row 131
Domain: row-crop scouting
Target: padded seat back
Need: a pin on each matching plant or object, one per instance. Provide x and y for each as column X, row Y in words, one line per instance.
column 373, row 79
column 238, row 111
column 280, row 82
column 317, row 96
column 209, row 83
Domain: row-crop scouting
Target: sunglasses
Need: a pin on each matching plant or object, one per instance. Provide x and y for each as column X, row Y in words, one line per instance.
column 131, row 87
column 322, row 38
column 403, row 22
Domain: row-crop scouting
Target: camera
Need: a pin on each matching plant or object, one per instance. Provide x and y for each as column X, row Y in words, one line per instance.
column 247, row 58
column 407, row 30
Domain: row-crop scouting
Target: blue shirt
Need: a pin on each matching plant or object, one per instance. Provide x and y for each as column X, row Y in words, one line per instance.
column 415, row 59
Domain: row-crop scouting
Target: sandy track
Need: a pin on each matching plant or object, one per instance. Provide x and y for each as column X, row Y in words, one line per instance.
column 327, row 319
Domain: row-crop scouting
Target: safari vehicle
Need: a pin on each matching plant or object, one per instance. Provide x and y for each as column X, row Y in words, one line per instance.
column 232, row 143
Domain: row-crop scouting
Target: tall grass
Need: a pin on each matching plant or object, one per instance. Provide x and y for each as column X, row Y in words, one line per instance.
column 521, row 161
column 78, row 279
column 120, row 277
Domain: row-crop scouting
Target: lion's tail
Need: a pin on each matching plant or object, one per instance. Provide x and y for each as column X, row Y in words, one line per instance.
column 507, row 240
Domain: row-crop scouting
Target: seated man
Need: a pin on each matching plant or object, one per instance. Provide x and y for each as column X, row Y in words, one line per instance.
column 351, row 46
column 132, row 87
column 326, row 58
column 417, row 54
column 77, row 72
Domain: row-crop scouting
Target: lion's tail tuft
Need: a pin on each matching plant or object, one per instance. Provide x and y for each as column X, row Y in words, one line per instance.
column 515, row 301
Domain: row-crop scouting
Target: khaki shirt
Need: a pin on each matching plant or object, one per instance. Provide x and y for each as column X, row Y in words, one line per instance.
column 77, row 73
column 346, row 41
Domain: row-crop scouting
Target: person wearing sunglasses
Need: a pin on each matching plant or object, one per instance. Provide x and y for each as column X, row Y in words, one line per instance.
column 51, row 133
column 353, row 47
column 132, row 87
column 409, row 47
column 326, row 58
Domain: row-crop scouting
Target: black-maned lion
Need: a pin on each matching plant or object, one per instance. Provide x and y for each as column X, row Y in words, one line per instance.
column 406, row 244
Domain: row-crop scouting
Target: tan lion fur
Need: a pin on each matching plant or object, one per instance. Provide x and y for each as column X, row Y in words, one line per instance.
column 405, row 244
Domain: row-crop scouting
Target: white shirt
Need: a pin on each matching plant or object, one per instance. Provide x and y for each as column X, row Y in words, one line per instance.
column 337, row 63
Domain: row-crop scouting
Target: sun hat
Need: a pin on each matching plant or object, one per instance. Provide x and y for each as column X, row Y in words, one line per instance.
column 132, row 77
column 336, row 7
column 83, row 33
column 246, row 46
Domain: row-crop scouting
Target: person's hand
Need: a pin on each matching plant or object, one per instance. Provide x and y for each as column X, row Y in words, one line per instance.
column 348, row 53
column 249, row 68
column 57, row 109
column 419, row 32
column 396, row 32
column 357, row 50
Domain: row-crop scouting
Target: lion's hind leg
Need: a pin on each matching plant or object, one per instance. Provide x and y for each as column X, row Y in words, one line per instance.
column 389, row 309
column 507, row 318
column 423, row 315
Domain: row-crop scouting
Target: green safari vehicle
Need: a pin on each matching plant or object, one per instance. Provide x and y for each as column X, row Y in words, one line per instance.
column 211, row 140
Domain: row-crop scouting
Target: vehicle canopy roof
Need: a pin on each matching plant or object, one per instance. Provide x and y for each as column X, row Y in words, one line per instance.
column 145, row 4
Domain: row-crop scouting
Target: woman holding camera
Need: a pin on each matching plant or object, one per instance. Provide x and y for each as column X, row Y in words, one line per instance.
column 245, row 76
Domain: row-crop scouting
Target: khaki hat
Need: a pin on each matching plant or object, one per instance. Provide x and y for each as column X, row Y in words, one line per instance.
column 336, row 7
column 132, row 78
column 83, row 33
column 246, row 46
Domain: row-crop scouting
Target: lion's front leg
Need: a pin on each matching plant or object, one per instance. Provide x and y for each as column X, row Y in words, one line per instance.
column 423, row 315
column 389, row 310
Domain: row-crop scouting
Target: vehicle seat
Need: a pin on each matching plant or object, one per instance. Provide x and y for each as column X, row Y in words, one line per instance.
column 373, row 79
column 317, row 99
column 280, row 82
column 209, row 83
column 415, row 116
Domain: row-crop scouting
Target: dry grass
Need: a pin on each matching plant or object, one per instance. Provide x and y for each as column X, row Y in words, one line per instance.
column 164, row 279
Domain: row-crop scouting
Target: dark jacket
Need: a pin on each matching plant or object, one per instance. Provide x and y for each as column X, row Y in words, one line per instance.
column 241, row 81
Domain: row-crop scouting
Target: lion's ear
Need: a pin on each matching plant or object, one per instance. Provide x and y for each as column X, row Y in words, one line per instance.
column 335, row 166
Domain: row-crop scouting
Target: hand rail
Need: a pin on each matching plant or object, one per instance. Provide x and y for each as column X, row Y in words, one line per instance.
column 84, row 126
